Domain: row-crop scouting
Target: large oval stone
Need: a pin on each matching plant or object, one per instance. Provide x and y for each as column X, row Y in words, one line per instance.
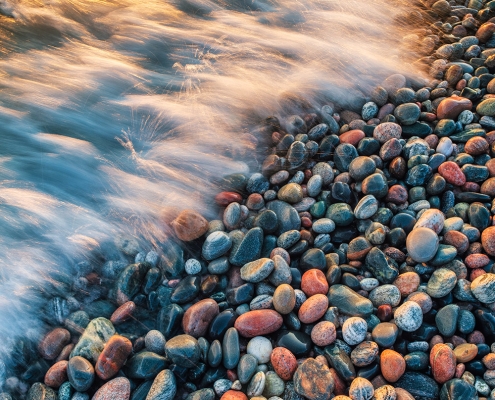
column 258, row 323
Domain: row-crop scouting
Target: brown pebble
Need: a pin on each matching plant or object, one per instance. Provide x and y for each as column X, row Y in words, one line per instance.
column 407, row 283
column 53, row 343
column 197, row 318
column 352, row 137
column 488, row 240
column 57, row 374
column 384, row 312
column 476, row 146
column 313, row 309
column 403, row 394
column 65, row 353
column 189, row 225
column 223, row 199
column 123, row 313
column 488, row 187
column 392, row 365
column 284, row 299
column 465, row 352
column 489, row 361
column 458, row 240
column 323, row 333
column 443, row 362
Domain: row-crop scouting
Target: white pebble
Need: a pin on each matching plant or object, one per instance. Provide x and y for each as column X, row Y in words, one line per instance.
column 354, row 330
column 193, row 266
column 261, row 348
column 445, row 147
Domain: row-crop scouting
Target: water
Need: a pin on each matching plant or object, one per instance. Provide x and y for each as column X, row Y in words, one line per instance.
column 112, row 110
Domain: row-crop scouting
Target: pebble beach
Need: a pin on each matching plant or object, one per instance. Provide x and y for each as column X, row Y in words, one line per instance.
column 357, row 262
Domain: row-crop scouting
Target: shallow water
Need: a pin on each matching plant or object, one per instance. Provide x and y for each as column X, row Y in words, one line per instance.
column 112, row 110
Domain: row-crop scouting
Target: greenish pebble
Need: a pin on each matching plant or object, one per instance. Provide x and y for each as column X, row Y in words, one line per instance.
column 441, row 283
column 446, row 319
column 340, row 213
column 444, row 255
column 92, row 341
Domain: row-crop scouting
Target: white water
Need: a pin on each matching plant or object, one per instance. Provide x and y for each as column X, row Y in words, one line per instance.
column 111, row 110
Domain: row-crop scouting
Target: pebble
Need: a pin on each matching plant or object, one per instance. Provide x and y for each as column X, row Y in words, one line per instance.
column 408, row 316
column 313, row 380
column 81, row 373
column 258, row 323
column 113, row 356
column 313, row 309
column 284, row 299
column 361, row 389
column 189, row 225
column 323, row 333
column 257, row 270
column 261, row 348
column 443, row 362
column 198, row 317
column 53, row 343
column 164, row 386
column 422, row 244
column 354, row 330
column 284, row 363
column 364, row 353
column 392, row 365
column 118, row 388
column 183, row 350
column 483, row 288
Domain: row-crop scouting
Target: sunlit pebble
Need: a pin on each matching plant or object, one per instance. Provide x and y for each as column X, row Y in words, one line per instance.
column 193, row 266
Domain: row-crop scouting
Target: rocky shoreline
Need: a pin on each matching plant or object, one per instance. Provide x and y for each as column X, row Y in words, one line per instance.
column 356, row 263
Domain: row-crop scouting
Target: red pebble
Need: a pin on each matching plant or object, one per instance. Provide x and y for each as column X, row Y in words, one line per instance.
column 53, row 343
column 397, row 194
column 123, row 313
column 451, row 107
column 65, row 353
column 255, row 201
column 197, row 318
column 284, row 363
column 314, row 282
column 471, row 187
column 57, row 374
column 352, row 137
column 452, row 173
column 113, row 356
column 116, row 389
column 459, row 370
column 313, row 309
column 476, row 260
column 306, row 222
column 384, row 312
column 475, row 273
column 223, row 199
column 443, row 363
column 231, row 375
column 258, row 323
